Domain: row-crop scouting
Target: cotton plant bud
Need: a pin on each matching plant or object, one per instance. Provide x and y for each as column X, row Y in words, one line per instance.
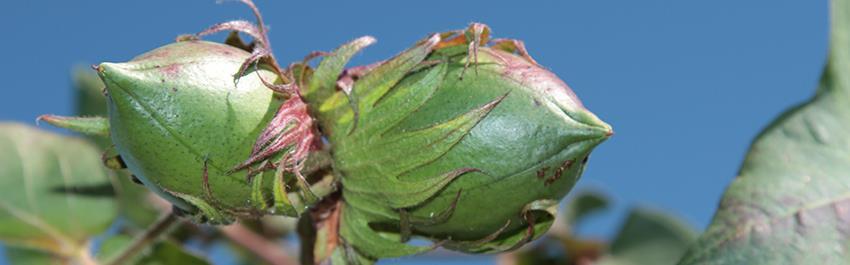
column 182, row 117
column 468, row 145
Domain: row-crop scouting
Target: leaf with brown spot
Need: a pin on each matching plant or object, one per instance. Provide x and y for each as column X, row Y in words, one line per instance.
column 790, row 203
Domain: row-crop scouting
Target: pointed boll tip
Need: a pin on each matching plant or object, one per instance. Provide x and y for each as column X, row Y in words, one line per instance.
column 114, row 69
column 607, row 133
column 598, row 129
column 605, row 130
column 103, row 69
column 106, row 68
column 112, row 73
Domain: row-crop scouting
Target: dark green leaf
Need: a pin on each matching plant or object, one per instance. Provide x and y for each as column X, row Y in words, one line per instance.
column 168, row 252
column 650, row 238
column 163, row 252
column 26, row 256
column 90, row 100
column 791, row 201
column 582, row 205
column 38, row 171
column 112, row 246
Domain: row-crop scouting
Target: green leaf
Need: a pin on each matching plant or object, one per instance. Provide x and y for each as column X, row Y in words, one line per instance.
column 582, row 205
column 650, row 237
column 89, row 92
column 791, row 201
column 168, row 252
column 163, row 252
column 111, row 247
column 26, row 256
column 52, row 194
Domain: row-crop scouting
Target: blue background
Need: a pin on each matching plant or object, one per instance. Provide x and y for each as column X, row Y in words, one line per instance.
column 686, row 84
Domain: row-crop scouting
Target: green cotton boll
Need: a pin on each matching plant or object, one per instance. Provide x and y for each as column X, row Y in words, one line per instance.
column 472, row 154
column 177, row 110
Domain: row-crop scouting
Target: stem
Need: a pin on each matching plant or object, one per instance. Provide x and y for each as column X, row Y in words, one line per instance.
column 145, row 239
column 269, row 251
column 307, row 234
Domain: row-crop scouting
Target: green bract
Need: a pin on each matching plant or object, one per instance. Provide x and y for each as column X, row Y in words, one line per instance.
column 178, row 116
column 468, row 145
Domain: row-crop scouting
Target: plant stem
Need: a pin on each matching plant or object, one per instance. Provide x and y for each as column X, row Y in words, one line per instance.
column 145, row 239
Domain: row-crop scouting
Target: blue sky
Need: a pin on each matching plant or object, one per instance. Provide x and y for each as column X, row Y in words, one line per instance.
column 685, row 84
